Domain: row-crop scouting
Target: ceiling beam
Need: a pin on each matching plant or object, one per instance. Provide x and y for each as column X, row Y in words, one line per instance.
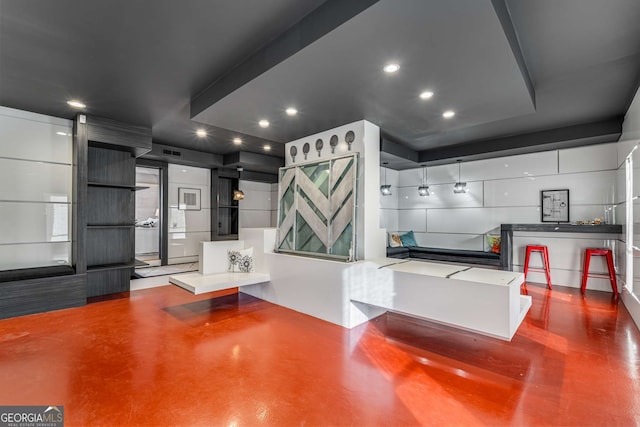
column 398, row 150
column 565, row 137
column 502, row 11
column 269, row 178
column 327, row 17
column 183, row 156
column 253, row 161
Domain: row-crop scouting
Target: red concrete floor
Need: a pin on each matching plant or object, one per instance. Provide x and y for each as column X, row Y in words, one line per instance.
column 165, row 357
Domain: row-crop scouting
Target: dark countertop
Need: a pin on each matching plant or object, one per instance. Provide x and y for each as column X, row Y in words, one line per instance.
column 564, row 228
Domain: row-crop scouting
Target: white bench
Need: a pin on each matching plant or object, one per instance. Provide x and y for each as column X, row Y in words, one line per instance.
column 213, row 274
column 197, row 283
column 481, row 300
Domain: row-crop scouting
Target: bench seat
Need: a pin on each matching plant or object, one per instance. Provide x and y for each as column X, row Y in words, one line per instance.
column 399, row 252
column 36, row 273
column 449, row 255
column 197, row 283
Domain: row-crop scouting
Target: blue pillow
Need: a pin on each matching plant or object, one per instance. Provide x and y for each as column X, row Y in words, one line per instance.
column 408, row 239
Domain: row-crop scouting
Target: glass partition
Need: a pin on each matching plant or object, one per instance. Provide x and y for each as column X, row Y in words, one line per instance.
column 632, row 164
column 35, row 190
column 317, row 209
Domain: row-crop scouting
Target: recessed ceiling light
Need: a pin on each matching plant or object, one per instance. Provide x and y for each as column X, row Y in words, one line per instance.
column 76, row 104
column 201, row 133
column 391, row 68
column 267, row 147
column 61, row 133
column 448, row 114
column 263, row 123
column 426, row 94
column 237, row 141
column 291, row 111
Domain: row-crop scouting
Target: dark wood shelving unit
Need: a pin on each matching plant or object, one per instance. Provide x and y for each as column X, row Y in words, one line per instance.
column 109, row 211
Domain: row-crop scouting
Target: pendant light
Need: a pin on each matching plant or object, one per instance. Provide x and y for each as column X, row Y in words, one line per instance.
column 459, row 187
column 238, row 194
column 423, row 190
column 385, row 189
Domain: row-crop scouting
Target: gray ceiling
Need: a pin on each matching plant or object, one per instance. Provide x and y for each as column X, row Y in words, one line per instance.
column 507, row 67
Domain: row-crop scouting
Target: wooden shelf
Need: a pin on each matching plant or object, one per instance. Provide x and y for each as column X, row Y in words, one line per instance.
column 122, row 186
column 106, row 267
column 97, row 226
column 102, row 184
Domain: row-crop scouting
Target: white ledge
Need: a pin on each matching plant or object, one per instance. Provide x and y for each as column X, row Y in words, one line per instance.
column 197, row 283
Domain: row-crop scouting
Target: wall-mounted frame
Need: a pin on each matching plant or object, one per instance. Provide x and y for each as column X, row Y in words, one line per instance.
column 554, row 206
column 189, row 199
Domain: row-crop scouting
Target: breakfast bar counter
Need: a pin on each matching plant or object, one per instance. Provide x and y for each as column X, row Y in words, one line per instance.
column 507, row 230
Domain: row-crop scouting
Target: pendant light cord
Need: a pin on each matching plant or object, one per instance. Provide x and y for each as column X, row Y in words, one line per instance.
column 384, row 165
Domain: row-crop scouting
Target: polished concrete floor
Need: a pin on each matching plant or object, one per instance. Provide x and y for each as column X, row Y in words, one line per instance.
column 165, row 357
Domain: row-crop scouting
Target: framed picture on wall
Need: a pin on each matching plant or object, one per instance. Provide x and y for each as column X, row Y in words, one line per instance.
column 554, row 205
column 189, row 199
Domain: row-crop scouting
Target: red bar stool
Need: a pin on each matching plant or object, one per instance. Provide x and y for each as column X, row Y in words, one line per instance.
column 545, row 260
column 612, row 271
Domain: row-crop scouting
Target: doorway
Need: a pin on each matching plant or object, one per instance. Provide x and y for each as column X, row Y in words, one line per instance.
column 148, row 224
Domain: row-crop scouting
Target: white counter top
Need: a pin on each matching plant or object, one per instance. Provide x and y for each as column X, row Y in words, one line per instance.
column 428, row 268
column 493, row 277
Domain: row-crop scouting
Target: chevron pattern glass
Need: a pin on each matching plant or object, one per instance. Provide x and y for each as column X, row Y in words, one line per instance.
column 316, row 208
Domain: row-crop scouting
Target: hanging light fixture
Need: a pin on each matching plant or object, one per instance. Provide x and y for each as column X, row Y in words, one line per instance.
column 459, row 187
column 238, row 194
column 423, row 190
column 385, row 189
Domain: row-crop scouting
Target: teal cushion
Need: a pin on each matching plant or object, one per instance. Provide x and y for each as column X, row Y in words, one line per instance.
column 408, row 239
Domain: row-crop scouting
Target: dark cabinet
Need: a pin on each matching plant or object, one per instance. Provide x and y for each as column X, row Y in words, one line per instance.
column 224, row 212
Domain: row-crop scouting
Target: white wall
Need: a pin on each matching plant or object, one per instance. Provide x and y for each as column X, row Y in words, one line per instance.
column 274, row 205
column 35, row 189
column 389, row 204
column 187, row 228
column 507, row 190
column 255, row 210
column 501, row 190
